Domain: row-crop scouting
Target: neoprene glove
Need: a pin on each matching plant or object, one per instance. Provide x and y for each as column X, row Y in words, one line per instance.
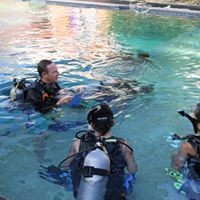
column 129, row 180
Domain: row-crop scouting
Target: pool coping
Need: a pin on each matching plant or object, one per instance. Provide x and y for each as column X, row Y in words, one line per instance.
column 150, row 8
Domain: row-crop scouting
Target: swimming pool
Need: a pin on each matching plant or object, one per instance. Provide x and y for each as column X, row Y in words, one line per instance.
column 86, row 42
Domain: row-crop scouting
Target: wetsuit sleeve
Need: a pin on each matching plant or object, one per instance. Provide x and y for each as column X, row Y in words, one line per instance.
column 40, row 103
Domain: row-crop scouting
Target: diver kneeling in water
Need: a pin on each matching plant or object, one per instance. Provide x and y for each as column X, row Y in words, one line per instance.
column 98, row 169
column 189, row 155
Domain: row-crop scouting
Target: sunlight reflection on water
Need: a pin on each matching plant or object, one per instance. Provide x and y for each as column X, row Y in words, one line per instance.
column 89, row 45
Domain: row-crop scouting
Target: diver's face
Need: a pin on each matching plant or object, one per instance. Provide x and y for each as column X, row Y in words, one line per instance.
column 52, row 74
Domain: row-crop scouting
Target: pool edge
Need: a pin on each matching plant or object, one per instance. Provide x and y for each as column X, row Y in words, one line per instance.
column 148, row 8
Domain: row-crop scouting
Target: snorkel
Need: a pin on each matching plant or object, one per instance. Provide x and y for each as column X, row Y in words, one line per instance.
column 192, row 120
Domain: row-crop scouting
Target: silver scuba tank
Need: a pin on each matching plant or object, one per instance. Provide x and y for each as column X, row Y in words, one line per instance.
column 94, row 187
column 16, row 94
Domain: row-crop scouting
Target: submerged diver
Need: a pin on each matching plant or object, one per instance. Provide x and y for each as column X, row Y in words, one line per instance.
column 110, row 88
column 189, row 155
column 98, row 168
column 122, row 87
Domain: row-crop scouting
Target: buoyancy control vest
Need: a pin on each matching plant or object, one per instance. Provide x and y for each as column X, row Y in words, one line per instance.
column 194, row 161
column 22, row 86
column 114, row 188
column 42, row 96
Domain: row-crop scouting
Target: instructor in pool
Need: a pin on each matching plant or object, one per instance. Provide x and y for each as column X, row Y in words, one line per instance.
column 120, row 156
column 45, row 93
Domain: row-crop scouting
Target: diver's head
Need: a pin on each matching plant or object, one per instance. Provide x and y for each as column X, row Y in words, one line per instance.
column 101, row 118
column 196, row 111
column 48, row 71
column 143, row 55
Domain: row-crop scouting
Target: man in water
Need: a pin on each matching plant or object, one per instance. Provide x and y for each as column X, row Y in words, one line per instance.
column 45, row 93
column 121, row 156
column 189, row 155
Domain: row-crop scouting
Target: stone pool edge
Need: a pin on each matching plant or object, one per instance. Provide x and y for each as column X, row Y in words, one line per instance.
column 149, row 8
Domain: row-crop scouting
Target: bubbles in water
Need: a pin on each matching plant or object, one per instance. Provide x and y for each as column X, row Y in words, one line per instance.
column 172, row 142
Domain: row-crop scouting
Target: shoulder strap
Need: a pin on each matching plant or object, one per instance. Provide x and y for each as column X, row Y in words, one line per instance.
column 195, row 142
column 89, row 171
column 33, row 86
column 118, row 140
column 87, row 141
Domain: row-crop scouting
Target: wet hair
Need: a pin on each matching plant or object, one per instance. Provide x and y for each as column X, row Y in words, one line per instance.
column 101, row 117
column 196, row 111
column 143, row 55
column 42, row 66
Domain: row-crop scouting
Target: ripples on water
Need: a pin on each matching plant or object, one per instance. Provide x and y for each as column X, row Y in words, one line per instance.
column 89, row 45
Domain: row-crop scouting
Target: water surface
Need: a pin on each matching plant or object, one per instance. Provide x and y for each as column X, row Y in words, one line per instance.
column 87, row 44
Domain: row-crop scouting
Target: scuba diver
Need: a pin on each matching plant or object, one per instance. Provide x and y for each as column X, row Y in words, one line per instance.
column 189, row 155
column 104, row 157
column 115, row 89
column 96, row 162
column 122, row 87
column 44, row 94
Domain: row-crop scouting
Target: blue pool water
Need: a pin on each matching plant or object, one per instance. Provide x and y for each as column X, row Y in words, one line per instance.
column 87, row 44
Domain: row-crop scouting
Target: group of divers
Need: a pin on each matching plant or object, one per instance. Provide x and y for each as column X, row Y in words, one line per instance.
column 99, row 165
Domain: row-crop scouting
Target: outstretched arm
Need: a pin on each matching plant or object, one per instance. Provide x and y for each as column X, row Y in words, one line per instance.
column 72, row 151
column 179, row 159
column 64, row 99
column 130, row 160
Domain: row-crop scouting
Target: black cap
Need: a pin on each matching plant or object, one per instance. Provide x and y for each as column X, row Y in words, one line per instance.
column 100, row 114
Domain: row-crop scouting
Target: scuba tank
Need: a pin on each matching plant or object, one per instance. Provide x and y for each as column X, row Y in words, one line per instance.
column 17, row 91
column 94, row 176
column 16, row 94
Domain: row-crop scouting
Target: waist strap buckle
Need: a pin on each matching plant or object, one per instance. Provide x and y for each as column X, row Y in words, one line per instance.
column 87, row 171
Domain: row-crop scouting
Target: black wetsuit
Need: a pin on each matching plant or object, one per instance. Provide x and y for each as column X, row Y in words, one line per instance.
column 115, row 189
column 42, row 96
column 193, row 162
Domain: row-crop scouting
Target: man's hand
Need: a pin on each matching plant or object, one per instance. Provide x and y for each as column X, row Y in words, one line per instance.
column 64, row 99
